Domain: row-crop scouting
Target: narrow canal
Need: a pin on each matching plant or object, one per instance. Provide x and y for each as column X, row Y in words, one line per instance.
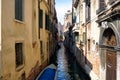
column 67, row 66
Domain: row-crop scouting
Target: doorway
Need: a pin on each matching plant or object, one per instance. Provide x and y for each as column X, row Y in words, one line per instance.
column 109, row 42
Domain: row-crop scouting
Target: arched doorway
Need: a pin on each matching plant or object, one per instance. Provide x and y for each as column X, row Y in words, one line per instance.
column 109, row 59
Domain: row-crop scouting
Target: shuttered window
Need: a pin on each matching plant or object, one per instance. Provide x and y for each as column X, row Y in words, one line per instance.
column 84, row 37
column 40, row 18
column 102, row 4
column 88, row 10
column 46, row 22
column 19, row 54
column 19, row 10
column 41, row 50
column 76, row 36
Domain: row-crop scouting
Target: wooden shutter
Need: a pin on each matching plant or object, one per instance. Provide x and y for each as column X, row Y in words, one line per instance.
column 16, row 9
column 19, row 10
column 40, row 18
column 102, row 3
column 46, row 25
column 47, row 22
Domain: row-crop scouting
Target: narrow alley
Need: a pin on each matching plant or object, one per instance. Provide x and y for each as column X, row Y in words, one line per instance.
column 68, row 68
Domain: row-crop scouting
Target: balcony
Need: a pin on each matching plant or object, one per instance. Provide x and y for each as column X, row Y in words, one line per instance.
column 100, row 9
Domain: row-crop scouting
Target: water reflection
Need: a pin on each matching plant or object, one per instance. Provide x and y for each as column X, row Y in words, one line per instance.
column 68, row 68
column 62, row 70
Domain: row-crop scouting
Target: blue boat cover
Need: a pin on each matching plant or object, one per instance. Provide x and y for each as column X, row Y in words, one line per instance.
column 48, row 74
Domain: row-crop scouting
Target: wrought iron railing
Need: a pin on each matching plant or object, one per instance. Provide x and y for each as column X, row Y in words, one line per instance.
column 100, row 10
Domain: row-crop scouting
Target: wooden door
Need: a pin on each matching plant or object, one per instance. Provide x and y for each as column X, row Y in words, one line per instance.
column 110, row 65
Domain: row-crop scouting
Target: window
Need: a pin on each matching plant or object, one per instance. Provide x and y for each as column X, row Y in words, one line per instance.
column 40, row 18
column 41, row 50
column 47, row 47
column 84, row 37
column 88, row 7
column 88, row 44
column 50, row 26
column 46, row 22
column 19, row 10
column 19, row 54
column 76, row 36
column 102, row 4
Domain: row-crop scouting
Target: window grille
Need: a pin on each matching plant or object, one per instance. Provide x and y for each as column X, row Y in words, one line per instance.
column 19, row 54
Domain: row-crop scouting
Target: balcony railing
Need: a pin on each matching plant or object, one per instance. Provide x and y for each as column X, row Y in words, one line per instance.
column 100, row 10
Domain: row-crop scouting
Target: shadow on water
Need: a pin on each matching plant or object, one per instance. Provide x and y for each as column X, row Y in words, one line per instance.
column 53, row 58
column 76, row 58
column 75, row 66
column 77, row 71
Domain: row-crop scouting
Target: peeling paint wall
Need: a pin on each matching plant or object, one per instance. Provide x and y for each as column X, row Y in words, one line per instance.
column 14, row 31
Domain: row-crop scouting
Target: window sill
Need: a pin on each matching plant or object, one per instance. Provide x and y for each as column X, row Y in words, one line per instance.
column 19, row 67
column 18, row 21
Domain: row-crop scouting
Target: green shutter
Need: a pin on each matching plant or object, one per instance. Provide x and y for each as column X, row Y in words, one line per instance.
column 46, row 21
column 19, row 10
column 40, row 18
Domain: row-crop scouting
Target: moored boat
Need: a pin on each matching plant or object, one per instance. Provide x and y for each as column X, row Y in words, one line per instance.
column 48, row 73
